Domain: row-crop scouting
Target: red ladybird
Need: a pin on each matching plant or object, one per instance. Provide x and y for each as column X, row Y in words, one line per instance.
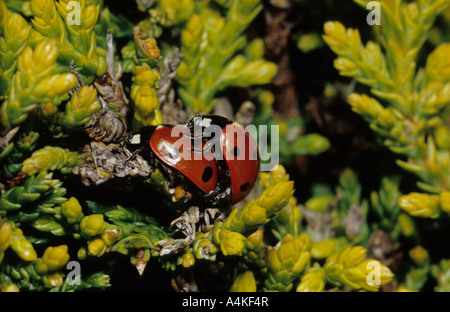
column 211, row 175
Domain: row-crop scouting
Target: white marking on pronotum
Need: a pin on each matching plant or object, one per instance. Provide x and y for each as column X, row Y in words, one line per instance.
column 136, row 139
column 206, row 122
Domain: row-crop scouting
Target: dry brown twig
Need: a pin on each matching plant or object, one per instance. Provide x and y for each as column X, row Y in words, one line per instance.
column 107, row 129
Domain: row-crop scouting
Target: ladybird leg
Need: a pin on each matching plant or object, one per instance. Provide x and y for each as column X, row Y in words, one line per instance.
column 219, row 196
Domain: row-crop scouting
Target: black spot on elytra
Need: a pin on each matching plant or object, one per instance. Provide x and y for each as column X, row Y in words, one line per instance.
column 207, row 174
column 235, row 151
column 244, row 187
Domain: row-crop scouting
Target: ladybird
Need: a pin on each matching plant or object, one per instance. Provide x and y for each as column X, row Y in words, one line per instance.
column 212, row 171
column 189, row 169
column 213, row 160
column 237, row 153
